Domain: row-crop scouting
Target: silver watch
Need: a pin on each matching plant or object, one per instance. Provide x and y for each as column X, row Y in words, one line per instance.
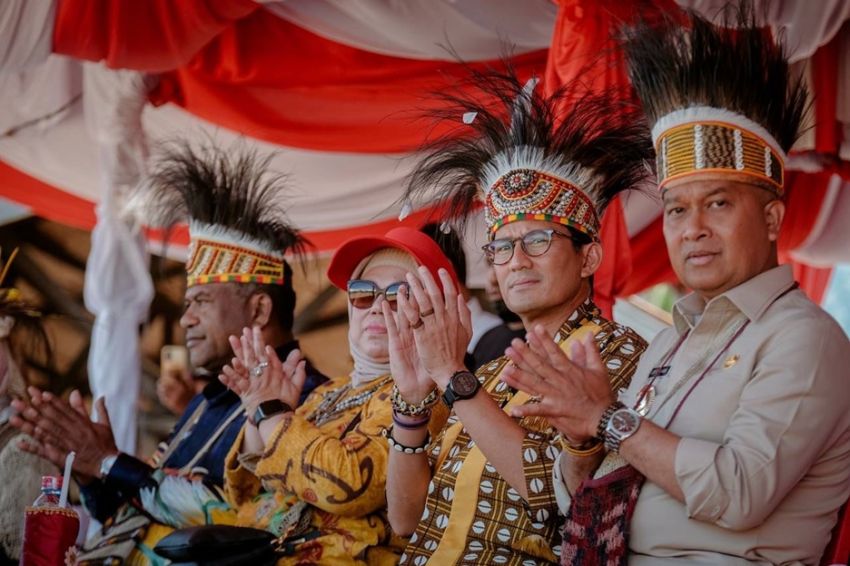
column 622, row 424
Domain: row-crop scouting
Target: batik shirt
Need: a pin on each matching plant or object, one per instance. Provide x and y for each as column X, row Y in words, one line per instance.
column 489, row 522
column 332, row 455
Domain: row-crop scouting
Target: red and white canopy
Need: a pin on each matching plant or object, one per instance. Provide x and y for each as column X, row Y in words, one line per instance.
column 334, row 86
column 89, row 87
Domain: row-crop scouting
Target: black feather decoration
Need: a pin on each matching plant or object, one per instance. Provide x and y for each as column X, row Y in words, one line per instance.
column 232, row 189
column 735, row 65
column 603, row 136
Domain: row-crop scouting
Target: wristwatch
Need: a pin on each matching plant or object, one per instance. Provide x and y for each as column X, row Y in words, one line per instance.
column 623, row 423
column 268, row 409
column 462, row 385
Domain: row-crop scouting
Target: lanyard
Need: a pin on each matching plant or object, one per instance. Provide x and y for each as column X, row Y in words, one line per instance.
column 646, row 396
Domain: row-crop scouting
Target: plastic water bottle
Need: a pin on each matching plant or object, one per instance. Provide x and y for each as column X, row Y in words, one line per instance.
column 49, row 529
column 51, row 487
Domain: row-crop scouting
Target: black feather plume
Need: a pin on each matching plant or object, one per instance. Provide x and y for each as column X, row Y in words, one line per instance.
column 736, row 66
column 603, row 134
column 232, row 188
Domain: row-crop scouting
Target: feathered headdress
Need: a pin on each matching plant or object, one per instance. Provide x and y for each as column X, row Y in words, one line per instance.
column 721, row 99
column 527, row 159
column 230, row 198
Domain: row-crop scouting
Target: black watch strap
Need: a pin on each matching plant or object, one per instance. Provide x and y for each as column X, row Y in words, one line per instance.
column 268, row 409
column 451, row 395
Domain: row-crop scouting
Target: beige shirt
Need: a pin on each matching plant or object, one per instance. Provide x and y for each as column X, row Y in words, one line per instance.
column 764, row 460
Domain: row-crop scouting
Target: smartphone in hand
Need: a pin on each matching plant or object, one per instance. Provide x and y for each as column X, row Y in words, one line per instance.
column 175, row 387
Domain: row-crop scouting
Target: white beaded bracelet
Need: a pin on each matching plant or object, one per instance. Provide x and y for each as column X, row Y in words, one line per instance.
column 398, row 447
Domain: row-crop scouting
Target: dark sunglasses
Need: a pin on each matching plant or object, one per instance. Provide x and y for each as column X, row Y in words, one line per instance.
column 534, row 243
column 363, row 293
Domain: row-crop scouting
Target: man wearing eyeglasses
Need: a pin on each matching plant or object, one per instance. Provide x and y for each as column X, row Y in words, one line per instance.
column 481, row 491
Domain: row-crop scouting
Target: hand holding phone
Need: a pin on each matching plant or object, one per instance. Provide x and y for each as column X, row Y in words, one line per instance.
column 175, row 387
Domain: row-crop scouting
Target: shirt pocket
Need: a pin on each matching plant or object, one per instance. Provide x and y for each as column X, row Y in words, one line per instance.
column 707, row 411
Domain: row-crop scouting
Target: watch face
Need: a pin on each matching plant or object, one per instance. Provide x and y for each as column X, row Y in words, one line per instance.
column 624, row 422
column 464, row 384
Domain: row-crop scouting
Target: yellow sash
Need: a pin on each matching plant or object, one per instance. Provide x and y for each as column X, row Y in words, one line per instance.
column 453, row 541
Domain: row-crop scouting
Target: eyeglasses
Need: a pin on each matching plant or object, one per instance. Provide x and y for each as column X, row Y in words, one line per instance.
column 534, row 243
column 363, row 293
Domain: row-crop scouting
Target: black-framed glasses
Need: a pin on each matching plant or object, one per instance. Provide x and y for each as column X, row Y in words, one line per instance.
column 534, row 243
column 363, row 293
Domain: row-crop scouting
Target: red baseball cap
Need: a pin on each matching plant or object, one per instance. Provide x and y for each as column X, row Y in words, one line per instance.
column 423, row 249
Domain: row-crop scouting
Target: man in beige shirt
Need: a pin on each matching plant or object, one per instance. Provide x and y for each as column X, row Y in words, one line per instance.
column 732, row 444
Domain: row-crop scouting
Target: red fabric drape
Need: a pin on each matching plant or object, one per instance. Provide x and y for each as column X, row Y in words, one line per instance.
column 616, row 268
column 838, row 550
column 272, row 80
column 804, row 198
column 804, row 194
column 584, row 53
column 46, row 200
column 650, row 262
column 824, row 74
column 256, row 73
column 151, row 35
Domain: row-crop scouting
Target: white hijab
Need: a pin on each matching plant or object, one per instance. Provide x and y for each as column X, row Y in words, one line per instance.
column 367, row 368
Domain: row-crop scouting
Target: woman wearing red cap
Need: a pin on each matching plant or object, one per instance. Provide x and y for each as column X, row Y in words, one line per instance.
column 323, row 466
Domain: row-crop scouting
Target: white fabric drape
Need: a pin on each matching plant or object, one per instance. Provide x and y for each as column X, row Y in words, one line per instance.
column 426, row 29
column 826, row 244
column 118, row 288
column 806, row 24
column 26, row 33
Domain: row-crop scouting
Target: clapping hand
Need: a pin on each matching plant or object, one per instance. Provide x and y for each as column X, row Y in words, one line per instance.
column 60, row 426
column 256, row 373
column 572, row 392
column 408, row 373
column 441, row 324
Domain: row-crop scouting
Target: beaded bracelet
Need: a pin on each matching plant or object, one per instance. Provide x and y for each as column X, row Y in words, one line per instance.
column 402, row 407
column 412, row 425
column 584, row 449
column 398, row 447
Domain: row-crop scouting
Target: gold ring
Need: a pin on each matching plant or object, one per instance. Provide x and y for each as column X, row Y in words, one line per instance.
column 429, row 312
column 418, row 324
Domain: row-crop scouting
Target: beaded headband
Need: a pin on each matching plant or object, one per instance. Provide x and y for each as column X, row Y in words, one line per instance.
column 527, row 194
column 710, row 141
column 525, row 184
column 222, row 255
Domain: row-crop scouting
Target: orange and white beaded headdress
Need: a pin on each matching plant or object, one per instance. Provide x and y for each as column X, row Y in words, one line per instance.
column 721, row 99
column 237, row 228
column 528, row 159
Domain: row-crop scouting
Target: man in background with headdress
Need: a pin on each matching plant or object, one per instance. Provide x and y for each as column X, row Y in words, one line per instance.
column 732, row 444
column 544, row 185
column 237, row 277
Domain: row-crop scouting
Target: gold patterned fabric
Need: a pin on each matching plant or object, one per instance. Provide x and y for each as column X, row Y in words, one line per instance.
column 331, row 455
column 705, row 147
column 505, row 529
column 211, row 261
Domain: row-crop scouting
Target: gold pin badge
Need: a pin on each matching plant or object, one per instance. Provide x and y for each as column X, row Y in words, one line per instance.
column 731, row 361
